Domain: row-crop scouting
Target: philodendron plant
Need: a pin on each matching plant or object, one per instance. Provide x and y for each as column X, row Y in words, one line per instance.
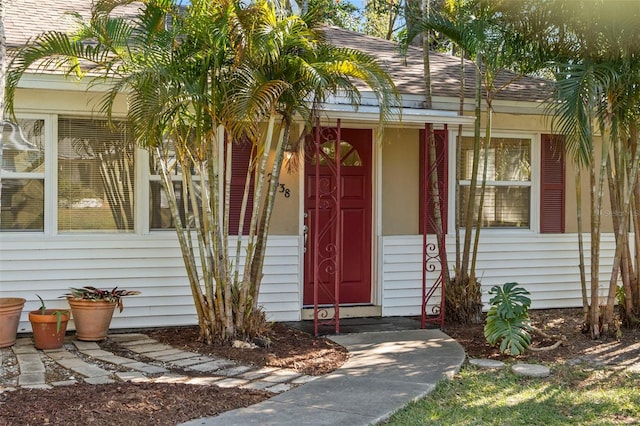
column 57, row 313
column 508, row 319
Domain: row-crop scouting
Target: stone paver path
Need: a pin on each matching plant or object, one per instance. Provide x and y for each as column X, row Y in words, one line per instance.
column 88, row 362
column 486, row 363
column 521, row 369
column 531, row 370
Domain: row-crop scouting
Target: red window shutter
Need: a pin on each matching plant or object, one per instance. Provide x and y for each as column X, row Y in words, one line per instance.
column 442, row 164
column 552, row 184
column 241, row 156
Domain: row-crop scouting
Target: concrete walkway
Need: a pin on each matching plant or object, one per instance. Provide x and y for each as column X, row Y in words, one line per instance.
column 385, row 372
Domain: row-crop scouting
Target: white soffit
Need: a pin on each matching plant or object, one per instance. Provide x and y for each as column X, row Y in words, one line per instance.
column 407, row 117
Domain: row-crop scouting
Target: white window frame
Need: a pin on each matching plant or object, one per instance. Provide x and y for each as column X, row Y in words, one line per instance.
column 534, row 184
column 150, row 177
column 49, row 176
column 136, row 175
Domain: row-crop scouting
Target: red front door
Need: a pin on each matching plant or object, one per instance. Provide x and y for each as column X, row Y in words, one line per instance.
column 354, row 245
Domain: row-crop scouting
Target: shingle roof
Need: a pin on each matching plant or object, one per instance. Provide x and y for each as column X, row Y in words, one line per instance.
column 407, row 71
column 26, row 19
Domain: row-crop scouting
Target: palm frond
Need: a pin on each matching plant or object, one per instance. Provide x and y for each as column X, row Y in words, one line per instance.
column 580, row 91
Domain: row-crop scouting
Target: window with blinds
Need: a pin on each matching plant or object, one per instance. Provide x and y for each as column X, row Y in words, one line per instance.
column 159, row 213
column 507, row 200
column 22, row 175
column 95, row 176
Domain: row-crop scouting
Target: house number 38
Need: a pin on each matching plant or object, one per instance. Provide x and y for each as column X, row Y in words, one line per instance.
column 284, row 190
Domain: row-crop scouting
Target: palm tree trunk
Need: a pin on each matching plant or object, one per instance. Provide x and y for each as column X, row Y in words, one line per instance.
column 216, row 282
column 628, row 278
column 248, row 283
column 391, row 22
column 597, row 191
column 204, row 317
column 257, row 261
column 615, row 202
column 225, row 262
column 635, row 287
column 632, row 293
column 469, row 213
column 243, row 284
column 199, row 225
column 635, row 283
column 621, row 204
column 458, row 165
column 581, row 264
column 487, row 143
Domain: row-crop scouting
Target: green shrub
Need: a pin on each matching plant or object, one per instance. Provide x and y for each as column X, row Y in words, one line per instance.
column 508, row 319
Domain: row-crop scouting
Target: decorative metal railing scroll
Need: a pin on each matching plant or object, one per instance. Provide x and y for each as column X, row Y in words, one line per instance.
column 433, row 253
column 327, row 268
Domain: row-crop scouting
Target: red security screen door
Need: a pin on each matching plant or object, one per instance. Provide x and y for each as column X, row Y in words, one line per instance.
column 354, row 240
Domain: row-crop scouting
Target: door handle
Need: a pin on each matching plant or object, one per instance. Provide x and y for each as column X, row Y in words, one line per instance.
column 305, row 231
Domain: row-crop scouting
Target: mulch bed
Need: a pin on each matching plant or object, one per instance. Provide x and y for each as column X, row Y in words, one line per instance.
column 559, row 323
column 126, row 403
column 121, row 404
column 286, row 348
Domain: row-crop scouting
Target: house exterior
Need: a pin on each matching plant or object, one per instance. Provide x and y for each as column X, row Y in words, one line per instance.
column 58, row 228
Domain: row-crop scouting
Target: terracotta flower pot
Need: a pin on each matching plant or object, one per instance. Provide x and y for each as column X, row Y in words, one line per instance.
column 46, row 334
column 91, row 318
column 10, row 310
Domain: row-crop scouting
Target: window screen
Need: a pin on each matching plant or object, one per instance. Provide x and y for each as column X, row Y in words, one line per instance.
column 159, row 212
column 95, row 176
column 22, row 175
column 507, row 200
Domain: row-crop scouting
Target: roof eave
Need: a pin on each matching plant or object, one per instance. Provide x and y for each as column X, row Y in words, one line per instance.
column 58, row 81
column 407, row 117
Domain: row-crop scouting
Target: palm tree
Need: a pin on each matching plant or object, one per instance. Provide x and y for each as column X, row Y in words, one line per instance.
column 593, row 52
column 598, row 92
column 480, row 30
column 198, row 81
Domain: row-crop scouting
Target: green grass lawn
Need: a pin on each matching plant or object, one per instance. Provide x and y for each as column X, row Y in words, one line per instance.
column 576, row 395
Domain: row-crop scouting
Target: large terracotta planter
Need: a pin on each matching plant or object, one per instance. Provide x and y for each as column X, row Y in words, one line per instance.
column 46, row 334
column 10, row 310
column 92, row 318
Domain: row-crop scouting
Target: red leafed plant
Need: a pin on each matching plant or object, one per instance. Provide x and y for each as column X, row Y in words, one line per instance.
column 93, row 293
